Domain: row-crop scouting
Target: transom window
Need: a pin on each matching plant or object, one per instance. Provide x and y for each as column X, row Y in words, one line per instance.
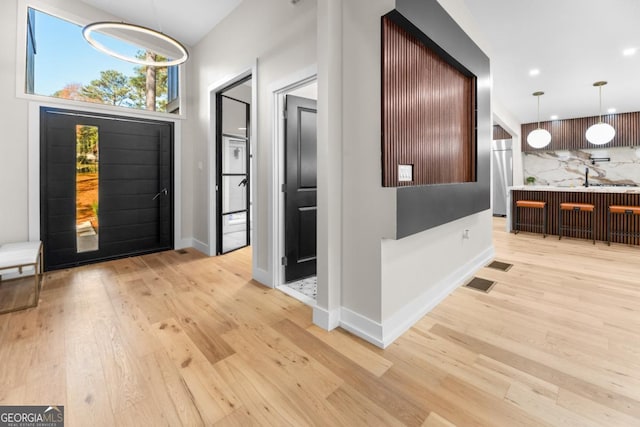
column 61, row 64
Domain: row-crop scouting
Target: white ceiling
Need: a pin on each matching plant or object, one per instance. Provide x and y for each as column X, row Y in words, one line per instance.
column 186, row 20
column 573, row 43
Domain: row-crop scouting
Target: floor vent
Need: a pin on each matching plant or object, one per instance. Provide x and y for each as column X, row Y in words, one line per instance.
column 182, row 251
column 479, row 284
column 502, row 266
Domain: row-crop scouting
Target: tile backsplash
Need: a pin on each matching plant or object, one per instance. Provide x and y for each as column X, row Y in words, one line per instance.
column 567, row 168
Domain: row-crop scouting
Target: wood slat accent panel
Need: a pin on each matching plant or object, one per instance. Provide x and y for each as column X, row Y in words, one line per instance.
column 500, row 133
column 582, row 220
column 570, row 134
column 428, row 109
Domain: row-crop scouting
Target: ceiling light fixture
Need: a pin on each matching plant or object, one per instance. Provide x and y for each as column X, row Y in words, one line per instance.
column 539, row 137
column 534, row 72
column 554, row 117
column 630, row 51
column 600, row 133
column 87, row 33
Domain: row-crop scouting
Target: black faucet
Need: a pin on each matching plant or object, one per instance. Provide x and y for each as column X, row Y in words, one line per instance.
column 586, row 177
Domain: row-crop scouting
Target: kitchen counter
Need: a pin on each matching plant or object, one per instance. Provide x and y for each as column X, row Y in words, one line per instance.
column 590, row 189
column 600, row 197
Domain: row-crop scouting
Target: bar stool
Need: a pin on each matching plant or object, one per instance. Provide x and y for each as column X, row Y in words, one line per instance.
column 577, row 207
column 624, row 210
column 531, row 204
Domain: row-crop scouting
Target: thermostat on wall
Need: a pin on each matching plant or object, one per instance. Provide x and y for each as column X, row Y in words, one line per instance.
column 405, row 173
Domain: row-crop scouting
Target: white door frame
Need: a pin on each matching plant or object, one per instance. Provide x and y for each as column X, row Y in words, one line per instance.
column 276, row 197
column 213, row 90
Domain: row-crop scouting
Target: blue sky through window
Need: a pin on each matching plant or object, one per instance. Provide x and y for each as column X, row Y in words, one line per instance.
column 63, row 56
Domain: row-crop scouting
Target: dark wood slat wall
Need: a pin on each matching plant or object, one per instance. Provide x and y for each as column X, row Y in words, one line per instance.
column 428, row 109
column 570, row 134
column 500, row 133
column 582, row 220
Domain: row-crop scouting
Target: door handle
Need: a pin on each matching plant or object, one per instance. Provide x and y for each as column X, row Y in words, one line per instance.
column 243, row 183
column 163, row 191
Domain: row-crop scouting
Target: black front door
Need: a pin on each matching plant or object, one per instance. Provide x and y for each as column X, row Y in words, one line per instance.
column 106, row 187
column 300, row 188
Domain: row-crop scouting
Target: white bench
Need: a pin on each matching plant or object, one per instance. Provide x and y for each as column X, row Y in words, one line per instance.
column 22, row 256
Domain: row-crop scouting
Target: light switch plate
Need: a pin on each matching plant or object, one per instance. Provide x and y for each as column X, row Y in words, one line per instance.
column 405, row 173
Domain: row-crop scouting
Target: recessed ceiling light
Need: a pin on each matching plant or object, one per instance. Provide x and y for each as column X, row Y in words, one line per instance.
column 534, row 72
column 611, row 110
column 554, row 117
column 630, row 51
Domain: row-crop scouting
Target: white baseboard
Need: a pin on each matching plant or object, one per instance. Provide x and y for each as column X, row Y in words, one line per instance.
column 202, row 247
column 404, row 319
column 383, row 334
column 361, row 326
column 262, row 276
column 183, row 243
column 327, row 320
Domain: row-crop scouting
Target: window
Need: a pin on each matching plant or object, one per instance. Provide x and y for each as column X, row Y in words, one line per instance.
column 61, row 64
column 87, row 190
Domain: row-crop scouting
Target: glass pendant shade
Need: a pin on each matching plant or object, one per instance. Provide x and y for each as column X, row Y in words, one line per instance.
column 600, row 133
column 539, row 138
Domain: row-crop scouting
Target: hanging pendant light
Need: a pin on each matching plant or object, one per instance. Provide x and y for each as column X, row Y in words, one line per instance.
column 158, row 42
column 171, row 44
column 601, row 132
column 539, row 137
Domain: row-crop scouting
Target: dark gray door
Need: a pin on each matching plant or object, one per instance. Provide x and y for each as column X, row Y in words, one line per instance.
column 106, row 187
column 300, row 188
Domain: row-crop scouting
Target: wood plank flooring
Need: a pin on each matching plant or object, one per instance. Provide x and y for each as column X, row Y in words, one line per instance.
column 182, row 339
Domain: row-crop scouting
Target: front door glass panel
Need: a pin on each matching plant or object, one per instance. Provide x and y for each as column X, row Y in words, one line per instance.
column 87, row 188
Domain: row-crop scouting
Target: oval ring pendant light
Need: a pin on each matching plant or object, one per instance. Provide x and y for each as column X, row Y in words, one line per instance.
column 538, row 138
column 601, row 132
column 87, row 33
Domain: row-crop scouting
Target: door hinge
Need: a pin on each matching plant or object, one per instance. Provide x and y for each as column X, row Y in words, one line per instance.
column 284, row 261
column 284, row 114
column 284, row 188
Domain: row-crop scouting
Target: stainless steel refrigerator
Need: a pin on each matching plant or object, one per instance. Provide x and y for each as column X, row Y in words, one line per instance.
column 502, row 166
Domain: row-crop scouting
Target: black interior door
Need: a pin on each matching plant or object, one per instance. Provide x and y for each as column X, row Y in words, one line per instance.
column 300, row 188
column 107, row 195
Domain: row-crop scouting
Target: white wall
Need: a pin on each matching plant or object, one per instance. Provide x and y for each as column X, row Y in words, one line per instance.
column 368, row 208
column 13, row 143
column 283, row 39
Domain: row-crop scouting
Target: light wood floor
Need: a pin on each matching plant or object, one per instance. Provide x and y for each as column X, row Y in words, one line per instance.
column 171, row 339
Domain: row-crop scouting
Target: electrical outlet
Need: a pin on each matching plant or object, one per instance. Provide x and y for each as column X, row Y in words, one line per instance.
column 405, row 173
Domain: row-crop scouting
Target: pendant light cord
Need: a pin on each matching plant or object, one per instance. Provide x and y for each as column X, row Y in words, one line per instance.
column 156, row 16
column 538, row 111
column 600, row 106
